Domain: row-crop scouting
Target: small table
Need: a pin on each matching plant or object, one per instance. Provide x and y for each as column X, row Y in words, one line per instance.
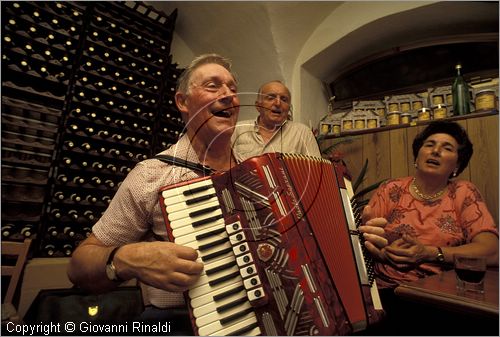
column 440, row 291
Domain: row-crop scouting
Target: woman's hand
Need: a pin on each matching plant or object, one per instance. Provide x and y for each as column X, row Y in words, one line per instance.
column 406, row 252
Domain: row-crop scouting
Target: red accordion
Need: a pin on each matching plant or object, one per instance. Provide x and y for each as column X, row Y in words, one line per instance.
column 278, row 237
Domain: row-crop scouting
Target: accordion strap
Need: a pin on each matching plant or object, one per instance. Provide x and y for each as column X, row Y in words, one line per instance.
column 184, row 163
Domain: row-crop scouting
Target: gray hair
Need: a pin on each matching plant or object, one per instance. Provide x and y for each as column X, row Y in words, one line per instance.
column 185, row 78
column 259, row 93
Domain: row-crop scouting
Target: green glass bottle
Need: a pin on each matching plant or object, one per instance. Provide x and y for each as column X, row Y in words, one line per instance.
column 460, row 94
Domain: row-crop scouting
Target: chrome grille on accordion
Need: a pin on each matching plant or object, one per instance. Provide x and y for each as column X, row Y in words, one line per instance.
column 277, row 235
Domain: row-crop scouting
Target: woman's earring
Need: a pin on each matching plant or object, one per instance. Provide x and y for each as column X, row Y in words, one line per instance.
column 455, row 173
column 415, row 164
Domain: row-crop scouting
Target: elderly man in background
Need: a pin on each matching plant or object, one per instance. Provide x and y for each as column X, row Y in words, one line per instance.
column 272, row 131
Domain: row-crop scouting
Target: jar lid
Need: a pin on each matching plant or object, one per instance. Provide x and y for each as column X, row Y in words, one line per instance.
column 484, row 91
column 439, row 106
column 423, row 110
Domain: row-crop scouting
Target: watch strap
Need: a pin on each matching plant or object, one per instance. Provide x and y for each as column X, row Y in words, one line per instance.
column 111, row 265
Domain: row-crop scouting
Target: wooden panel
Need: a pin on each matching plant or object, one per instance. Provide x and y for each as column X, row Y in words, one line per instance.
column 465, row 175
column 354, row 156
column 411, row 133
column 483, row 166
column 399, row 152
column 376, row 148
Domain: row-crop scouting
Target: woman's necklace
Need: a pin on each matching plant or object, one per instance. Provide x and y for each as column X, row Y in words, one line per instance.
column 426, row 196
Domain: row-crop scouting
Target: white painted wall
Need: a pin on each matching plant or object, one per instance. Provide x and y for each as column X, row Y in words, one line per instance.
column 352, row 30
column 310, row 94
column 309, row 98
column 180, row 51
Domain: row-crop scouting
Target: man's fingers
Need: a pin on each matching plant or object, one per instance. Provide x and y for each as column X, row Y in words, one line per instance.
column 189, row 267
column 186, row 253
column 183, row 280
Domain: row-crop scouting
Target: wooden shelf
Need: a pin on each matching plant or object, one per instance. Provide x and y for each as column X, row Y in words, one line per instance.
column 400, row 126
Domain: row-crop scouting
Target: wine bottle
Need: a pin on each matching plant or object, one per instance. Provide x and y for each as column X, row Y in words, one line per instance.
column 73, row 214
column 89, row 215
column 87, row 231
column 91, row 199
column 89, row 131
column 107, row 119
column 97, row 166
column 124, row 169
column 27, row 231
column 7, row 230
column 86, row 147
column 66, row 161
column 460, row 94
column 49, row 250
column 96, row 181
column 114, row 152
column 131, row 140
column 75, row 198
column 69, row 144
column 59, row 195
column 56, row 213
column 69, row 231
column 111, row 167
column 78, row 180
column 67, row 249
column 110, row 183
column 52, row 231
column 143, row 142
column 103, row 134
column 106, row 199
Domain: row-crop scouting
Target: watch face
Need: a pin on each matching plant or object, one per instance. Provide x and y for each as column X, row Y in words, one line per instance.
column 110, row 272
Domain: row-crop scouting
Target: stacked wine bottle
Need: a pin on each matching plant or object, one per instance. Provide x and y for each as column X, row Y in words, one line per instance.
column 88, row 92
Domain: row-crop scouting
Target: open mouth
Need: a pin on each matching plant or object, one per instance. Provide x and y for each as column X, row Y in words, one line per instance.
column 222, row 113
column 433, row 162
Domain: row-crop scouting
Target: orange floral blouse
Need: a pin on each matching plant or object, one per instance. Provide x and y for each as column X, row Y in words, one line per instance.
column 452, row 220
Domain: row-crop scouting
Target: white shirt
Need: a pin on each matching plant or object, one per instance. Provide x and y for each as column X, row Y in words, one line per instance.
column 291, row 137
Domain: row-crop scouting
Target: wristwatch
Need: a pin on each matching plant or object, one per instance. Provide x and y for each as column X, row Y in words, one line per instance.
column 110, row 267
column 440, row 255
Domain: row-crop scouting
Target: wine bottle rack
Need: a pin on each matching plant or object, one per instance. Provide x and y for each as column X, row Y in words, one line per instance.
column 88, row 91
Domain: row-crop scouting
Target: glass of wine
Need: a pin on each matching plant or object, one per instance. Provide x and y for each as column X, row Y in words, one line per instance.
column 470, row 272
